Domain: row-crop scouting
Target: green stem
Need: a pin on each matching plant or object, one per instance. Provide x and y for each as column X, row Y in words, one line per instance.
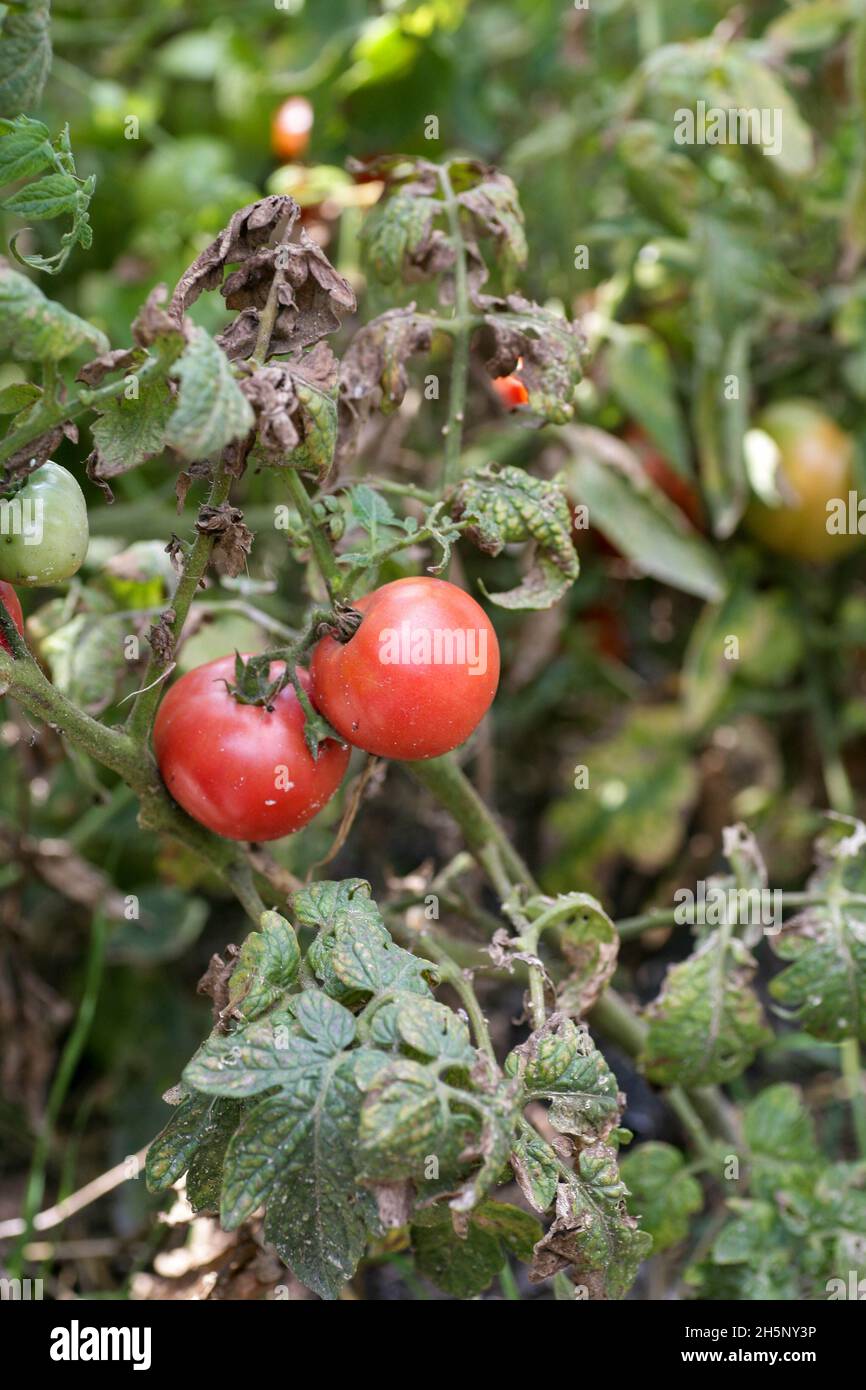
column 452, row 974
column 322, row 552
column 852, row 1074
column 495, row 853
column 66, row 1069
column 145, row 707
column 453, row 430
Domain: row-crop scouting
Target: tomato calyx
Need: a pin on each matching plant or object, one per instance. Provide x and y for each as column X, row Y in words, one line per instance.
column 253, row 684
column 345, row 623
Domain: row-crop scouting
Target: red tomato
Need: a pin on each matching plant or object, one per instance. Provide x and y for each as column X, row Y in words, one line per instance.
column 511, row 391
column 416, row 678
column 13, row 608
column 291, row 125
column 242, row 770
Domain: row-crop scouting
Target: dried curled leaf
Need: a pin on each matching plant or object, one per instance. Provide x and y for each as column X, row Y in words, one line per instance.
column 373, row 371
column 494, row 207
column 295, row 409
column 251, row 228
column 593, row 1234
column 233, row 539
column 547, row 346
column 508, row 505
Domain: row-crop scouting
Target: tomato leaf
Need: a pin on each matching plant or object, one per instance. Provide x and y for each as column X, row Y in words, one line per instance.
column 593, row 1235
column 560, row 1063
column 507, row 505
column 25, row 148
column 536, row 1169
column 25, row 53
column 266, row 967
column 127, row 432
column 463, row 1260
column 212, row 411
column 663, row 1195
column 824, row 986
column 33, row 328
column 707, row 1024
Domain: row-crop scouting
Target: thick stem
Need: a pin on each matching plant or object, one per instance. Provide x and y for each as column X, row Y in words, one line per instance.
column 322, row 552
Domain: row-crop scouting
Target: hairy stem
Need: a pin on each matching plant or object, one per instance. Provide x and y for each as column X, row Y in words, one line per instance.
column 322, row 552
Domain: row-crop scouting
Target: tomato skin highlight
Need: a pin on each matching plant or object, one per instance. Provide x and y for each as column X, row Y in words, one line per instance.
column 13, row 608
column 511, row 391
column 222, row 761
column 385, row 690
column 52, row 500
column 816, row 464
column 291, row 125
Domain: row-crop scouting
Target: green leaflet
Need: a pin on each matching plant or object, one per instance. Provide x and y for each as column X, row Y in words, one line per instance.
column 409, row 1118
column 638, row 519
column 26, row 148
column 266, row 967
column 706, row 1025
column 127, row 432
column 561, row 1064
column 196, row 1123
column 824, row 987
column 397, row 235
column 642, row 378
column 319, row 412
column 25, row 55
column 510, row 505
column 590, row 943
column 494, row 206
column 593, row 1231
column 781, row 1141
column 295, row 1151
column 462, row 1263
column 212, row 411
column 536, row 1169
column 333, row 903
column 33, row 328
column 662, row 1194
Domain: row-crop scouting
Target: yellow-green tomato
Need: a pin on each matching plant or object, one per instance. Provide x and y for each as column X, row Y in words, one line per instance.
column 43, row 528
column 814, row 469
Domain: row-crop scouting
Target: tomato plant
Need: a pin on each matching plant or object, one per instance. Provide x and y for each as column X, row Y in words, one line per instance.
column 242, row 769
column 45, row 533
column 562, row 995
column 417, row 676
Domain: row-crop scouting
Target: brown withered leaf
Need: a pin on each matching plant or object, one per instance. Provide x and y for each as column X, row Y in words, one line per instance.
column 32, row 456
column 215, row 983
column 160, row 637
column 311, row 297
column 373, row 372
column 233, row 539
column 153, row 321
column 117, row 360
column 250, row 229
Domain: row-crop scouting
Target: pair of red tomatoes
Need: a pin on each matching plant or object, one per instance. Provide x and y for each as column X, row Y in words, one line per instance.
column 415, row 679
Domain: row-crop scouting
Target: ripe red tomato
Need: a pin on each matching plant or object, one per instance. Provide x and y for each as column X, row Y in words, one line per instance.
column 511, row 391
column 291, row 125
column 13, row 608
column 416, row 678
column 242, row 770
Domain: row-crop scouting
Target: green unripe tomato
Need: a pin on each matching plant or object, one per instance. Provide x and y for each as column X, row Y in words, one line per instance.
column 43, row 528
